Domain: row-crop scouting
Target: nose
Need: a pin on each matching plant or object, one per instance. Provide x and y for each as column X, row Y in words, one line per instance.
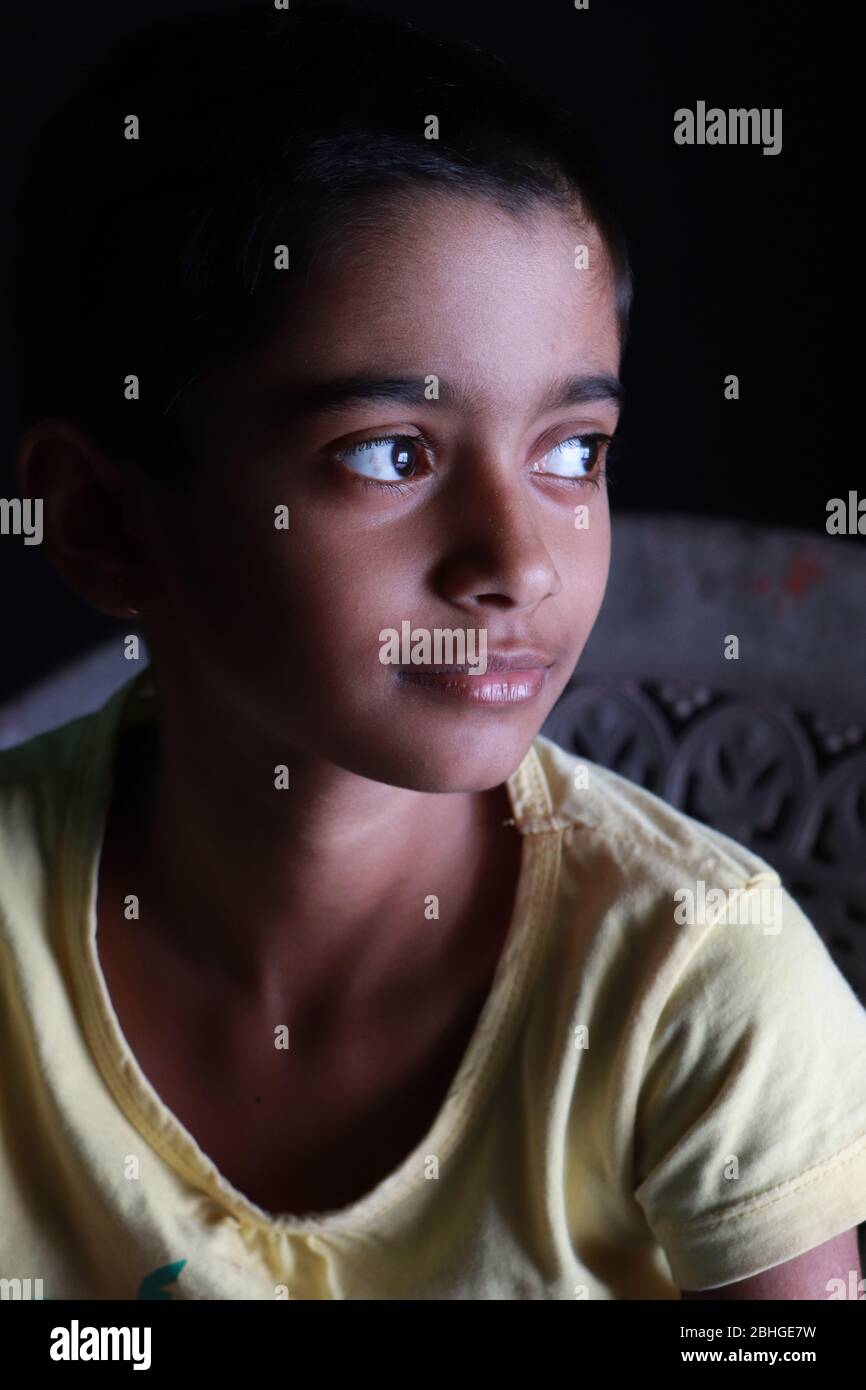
column 496, row 557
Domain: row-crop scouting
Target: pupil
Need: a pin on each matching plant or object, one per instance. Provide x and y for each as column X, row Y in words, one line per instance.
column 402, row 459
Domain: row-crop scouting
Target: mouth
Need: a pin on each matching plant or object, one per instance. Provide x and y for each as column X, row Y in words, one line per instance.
column 510, row 678
column 495, row 661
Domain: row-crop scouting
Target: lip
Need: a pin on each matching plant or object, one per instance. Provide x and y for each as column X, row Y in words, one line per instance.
column 502, row 660
column 511, row 678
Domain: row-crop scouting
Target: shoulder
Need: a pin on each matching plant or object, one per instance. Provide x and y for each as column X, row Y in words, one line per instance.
column 648, row 904
column 724, row 1044
column 44, row 755
column 33, row 778
column 685, row 927
column 648, row 837
column 62, row 755
column 35, row 772
column 43, row 783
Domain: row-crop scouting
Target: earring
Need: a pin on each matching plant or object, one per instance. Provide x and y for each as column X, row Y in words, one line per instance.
column 121, row 591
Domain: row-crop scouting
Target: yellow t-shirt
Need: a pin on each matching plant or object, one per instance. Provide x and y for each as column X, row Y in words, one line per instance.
column 647, row 1103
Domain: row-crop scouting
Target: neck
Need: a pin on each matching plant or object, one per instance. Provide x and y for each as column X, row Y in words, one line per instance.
column 335, row 872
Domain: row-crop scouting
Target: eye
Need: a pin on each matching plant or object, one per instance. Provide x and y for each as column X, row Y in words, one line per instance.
column 578, row 456
column 390, row 458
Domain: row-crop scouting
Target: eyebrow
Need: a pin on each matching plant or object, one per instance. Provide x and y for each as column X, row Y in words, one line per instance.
column 321, row 397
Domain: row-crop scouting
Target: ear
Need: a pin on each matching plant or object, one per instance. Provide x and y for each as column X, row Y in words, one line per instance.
column 85, row 513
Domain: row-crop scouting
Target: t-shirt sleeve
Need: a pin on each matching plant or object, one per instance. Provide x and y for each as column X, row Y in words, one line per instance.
column 750, row 1130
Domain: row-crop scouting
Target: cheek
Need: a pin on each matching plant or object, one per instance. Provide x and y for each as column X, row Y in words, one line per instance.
column 332, row 590
column 583, row 563
column 585, row 551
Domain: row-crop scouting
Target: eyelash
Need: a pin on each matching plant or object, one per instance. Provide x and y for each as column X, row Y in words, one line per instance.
column 602, row 469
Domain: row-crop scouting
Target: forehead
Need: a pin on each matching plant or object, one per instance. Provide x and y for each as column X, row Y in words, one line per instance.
column 454, row 284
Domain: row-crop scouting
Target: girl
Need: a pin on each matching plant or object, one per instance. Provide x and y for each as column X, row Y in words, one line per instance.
column 327, row 976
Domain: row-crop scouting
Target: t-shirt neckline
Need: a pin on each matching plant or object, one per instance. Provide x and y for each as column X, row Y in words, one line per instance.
column 516, row 969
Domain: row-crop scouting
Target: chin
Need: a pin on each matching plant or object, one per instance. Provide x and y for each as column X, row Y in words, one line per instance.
column 463, row 760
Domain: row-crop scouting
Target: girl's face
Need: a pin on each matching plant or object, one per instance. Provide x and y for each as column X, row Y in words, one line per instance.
column 480, row 510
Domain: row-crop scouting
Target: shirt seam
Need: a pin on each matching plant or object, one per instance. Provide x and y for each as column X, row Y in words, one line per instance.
column 596, row 826
column 764, row 1200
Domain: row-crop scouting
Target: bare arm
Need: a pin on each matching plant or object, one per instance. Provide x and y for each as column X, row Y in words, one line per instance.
column 805, row 1277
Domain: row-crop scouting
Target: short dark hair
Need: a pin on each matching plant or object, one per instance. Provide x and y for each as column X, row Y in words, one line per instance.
column 258, row 128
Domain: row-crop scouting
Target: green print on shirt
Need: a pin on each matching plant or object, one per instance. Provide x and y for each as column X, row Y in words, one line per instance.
column 151, row 1286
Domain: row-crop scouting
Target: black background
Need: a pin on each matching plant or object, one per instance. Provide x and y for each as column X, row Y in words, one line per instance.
column 745, row 263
